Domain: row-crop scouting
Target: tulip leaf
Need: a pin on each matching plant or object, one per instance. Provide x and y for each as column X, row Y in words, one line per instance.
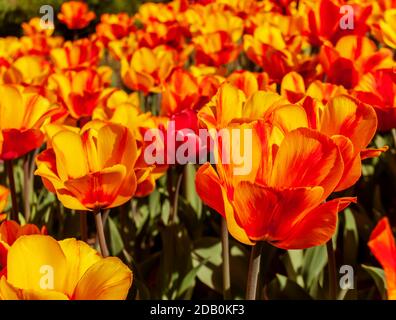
column 210, row 249
column 378, row 275
column 116, row 243
column 189, row 280
column 293, row 261
column 351, row 238
column 154, row 204
column 189, row 189
column 175, row 261
column 315, row 260
column 283, row 288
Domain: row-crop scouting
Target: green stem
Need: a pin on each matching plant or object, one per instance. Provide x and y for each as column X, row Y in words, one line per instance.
column 332, row 270
column 100, row 233
column 11, row 182
column 226, row 260
column 254, row 270
column 175, row 206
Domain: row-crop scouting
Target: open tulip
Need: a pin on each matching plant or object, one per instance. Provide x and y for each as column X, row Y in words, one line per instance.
column 148, row 68
column 22, row 115
column 281, row 198
column 10, row 231
column 41, row 268
column 382, row 245
column 79, row 92
column 77, row 55
column 92, row 169
column 75, row 15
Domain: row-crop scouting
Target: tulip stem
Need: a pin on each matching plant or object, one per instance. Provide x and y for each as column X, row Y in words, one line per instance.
column 101, row 235
column 11, row 181
column 254, row 270
column 332, row 270
column 226, row 260
column 175, row 207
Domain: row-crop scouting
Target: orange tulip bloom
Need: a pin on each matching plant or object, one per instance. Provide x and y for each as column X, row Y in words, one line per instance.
column 281, row 199
column 10, row 231
column 122, row 109
column 33, row 28
column 147, row 68
column 378, row 89
column 180, row 92
column 385, row 30
column 79, row 92
column 250, row 82
column 215, row 49
column 28, row 71
column 77, row 55
column 324, row 21
column 114, row 27
column 382, row 245
column 41, row 268
column 267, row 48
column 351, row 58
column 22, row 115
column 75, row 15
column 91, row 169
column 351, row 124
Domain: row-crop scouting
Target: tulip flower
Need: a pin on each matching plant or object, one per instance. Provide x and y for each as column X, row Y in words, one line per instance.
column 324, row 20
column 75, row 15
column 77, row 55
column 387, row 28
column 382, row 245
column 92, row 169
column 122, row 109
column 351, row 58
column 114, row 27
column 22, row 115
column 148, row 68
column 250, row 82
column 10, row 231
column 41, row 268
column 378, row 89
column 215, row 49
column 180, row 92
column 267, row 48
column 79, row 92
column 28, row 71
column 281, row 198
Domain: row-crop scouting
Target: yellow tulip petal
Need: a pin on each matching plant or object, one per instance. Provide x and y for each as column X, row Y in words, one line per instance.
column 107, row 279
column 70, row 155
column 36, row 262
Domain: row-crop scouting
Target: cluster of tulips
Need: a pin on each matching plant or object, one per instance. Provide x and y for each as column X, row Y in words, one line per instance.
column 311, row 81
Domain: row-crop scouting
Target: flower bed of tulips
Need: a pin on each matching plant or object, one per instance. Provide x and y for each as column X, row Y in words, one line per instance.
column 214, row 149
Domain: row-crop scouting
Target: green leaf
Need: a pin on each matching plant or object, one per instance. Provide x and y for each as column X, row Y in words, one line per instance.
column 116, row 243
column 165, row 211
column 189, row 189
column 293, row 261
column 154, row 204
column 378, row 275
column 283, row 288
column 175, row 262
column 209, row 248
column 189, row 280
column 315, row 260
column 351, row 238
